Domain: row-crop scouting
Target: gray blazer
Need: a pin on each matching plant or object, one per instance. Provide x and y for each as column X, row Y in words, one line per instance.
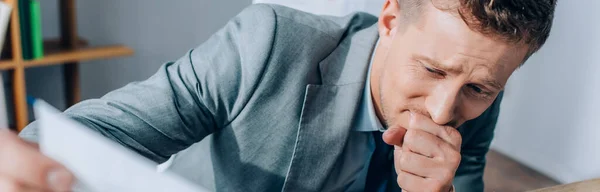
column 279, row 91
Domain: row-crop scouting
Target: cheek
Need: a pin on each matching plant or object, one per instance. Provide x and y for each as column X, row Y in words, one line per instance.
column 402, row 88
column 405, row 82
column 472, row 109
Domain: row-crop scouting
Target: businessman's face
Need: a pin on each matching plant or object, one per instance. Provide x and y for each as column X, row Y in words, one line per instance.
column 438, row 67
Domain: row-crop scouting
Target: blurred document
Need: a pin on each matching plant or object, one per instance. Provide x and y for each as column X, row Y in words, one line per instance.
column 98, row 163
column 5, row 10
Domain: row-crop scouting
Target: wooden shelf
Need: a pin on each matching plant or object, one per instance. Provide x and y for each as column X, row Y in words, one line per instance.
column 54, row 55
column 5, row 64
column 78, row 55
column 51, row 45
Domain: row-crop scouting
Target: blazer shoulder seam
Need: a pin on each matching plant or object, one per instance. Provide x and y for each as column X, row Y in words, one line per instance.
column 278, row 15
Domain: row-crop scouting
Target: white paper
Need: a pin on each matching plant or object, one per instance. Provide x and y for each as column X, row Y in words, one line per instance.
column 4, row 18
column 99, row 164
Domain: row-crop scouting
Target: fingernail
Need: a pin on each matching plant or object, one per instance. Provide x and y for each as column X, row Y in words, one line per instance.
column 60, row 180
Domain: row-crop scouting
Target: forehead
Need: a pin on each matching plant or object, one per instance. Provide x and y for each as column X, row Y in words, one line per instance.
column 445, row 37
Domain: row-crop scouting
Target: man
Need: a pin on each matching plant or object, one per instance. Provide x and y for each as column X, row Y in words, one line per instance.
column 298, row 102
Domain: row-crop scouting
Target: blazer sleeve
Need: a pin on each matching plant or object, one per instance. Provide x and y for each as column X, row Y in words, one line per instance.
column 480, row 132
column 187, row 99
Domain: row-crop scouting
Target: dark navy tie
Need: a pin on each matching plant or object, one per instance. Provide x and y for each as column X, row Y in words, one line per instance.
column 381, row 165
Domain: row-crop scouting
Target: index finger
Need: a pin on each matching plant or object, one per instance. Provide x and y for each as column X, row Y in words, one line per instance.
column 447, row 133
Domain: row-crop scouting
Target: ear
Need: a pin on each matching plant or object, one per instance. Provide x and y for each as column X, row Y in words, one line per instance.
column 388, row 22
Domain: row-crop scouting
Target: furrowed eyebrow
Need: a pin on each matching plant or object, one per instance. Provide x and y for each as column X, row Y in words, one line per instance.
column 488, row 82
column 437, row 64
column 493, row 83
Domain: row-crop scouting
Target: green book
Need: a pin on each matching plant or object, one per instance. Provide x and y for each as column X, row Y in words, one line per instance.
column 37, row 41
column 24, row 20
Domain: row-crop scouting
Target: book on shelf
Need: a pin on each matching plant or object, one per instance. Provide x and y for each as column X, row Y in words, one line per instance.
column 24, row 20
column 37, row 41
column 30, row 15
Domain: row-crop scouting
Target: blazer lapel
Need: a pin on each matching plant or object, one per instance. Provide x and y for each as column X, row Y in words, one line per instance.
column 325, row 123
column 329, row 112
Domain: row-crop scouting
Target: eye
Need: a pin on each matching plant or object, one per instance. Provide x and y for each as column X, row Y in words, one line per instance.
column 478, row 92
column 430, row 70
column 475, row 88
column 434, row 71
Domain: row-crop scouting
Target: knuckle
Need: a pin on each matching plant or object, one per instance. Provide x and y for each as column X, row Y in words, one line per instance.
column 458, row 139
column 399, row 180
column 454, row 158
column 454, row 135
column 442, row 145
column 447, row 176
column 436, row 188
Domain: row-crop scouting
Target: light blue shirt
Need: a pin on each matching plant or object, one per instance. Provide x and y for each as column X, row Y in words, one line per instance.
column 360, row 147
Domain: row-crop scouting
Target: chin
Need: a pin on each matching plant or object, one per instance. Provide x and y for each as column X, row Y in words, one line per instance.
column 398, row 120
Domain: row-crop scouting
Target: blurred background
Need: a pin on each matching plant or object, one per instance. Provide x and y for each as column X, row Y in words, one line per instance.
column 548, row 129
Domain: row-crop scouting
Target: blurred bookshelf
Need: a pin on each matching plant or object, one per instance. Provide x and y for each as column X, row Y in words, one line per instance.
column 55, row 54
column 66, row 50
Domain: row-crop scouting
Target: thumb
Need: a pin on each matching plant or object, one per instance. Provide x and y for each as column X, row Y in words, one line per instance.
column 394, row 136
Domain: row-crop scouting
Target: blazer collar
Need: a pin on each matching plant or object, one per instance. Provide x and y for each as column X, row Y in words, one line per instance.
column 349, row 62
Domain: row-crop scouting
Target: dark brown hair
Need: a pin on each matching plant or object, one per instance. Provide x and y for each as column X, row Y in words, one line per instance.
column 526, row 21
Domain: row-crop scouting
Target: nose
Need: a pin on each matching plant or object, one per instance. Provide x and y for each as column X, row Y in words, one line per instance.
column 442, row 104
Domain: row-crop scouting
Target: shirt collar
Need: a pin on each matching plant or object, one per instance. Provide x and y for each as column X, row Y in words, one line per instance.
column 368, row 120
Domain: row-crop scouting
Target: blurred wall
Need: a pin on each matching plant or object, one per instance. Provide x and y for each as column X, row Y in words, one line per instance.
column 550, row 116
